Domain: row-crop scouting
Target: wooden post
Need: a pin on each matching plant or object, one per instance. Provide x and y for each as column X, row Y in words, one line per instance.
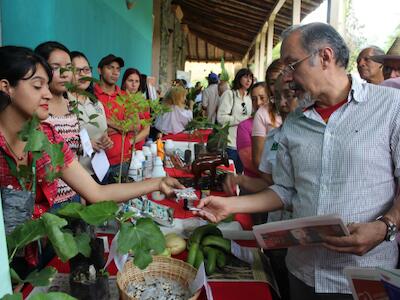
column 296, row 12
column 261, row 73
column 257, row 57
column 270, row 40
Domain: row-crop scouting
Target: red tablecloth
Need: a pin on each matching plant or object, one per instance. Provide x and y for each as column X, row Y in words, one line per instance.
column 198, row 136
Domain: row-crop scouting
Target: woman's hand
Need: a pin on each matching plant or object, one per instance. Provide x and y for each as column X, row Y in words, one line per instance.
column 168, row 184
column 214, row 208
column 105, row 142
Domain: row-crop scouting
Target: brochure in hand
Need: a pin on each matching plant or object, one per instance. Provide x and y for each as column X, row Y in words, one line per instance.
column 301, row 231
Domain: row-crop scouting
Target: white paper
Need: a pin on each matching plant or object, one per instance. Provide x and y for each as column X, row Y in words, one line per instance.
column 100, row 164
column 86, row 144
column 105, row 243
column 119, row 260
column 243, row 253
column 200, row 281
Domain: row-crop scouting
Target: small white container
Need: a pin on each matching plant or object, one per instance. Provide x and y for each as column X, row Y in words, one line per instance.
column 139, row 155
column 136, row 170
column 169, row 147
column 158, row 171
column 153, row 150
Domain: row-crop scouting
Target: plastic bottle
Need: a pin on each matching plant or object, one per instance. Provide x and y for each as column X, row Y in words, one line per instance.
column 158, row 171
column 136, row 170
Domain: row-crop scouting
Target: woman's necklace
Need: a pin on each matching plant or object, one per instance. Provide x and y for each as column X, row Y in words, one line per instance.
column 18, row 157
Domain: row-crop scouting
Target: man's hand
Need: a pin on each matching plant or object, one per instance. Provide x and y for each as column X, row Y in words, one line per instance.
column 214, row 208
column 230, row 183
column 168, row 184
column 363, row 237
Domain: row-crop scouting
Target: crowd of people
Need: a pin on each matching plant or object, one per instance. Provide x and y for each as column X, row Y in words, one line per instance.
column 309, row 140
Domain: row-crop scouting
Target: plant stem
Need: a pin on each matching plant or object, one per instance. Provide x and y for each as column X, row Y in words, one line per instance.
column 122, row 156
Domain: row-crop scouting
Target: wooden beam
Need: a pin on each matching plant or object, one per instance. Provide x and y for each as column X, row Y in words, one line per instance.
column 206, row 46
column 177, row 11
column 221, row 43
column 197, row 47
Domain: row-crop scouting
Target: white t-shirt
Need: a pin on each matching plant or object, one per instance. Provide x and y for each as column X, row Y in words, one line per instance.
column 174, row 121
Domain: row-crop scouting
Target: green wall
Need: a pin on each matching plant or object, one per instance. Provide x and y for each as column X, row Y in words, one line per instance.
column 94, row 27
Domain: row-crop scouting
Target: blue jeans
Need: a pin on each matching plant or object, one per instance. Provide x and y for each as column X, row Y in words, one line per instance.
column 233, row 154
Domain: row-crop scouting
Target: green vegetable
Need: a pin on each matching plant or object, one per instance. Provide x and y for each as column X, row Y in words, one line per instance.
column 199, row 259
column 211, row 255
column 221, row 258
column 202, row 231
column 217, row 241
column 194, row 248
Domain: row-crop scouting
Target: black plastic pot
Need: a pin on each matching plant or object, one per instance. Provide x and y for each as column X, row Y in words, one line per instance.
column 199, row 149
column 90, row 290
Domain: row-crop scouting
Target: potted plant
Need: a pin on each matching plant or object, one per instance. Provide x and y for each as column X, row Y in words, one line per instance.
column 141, row 236
column 130, row 106
column 194, row 127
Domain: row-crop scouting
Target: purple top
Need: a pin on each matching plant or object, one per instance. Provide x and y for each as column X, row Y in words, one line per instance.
column 243, row 141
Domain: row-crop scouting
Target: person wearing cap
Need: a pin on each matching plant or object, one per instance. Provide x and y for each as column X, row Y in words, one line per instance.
column 390, row 61
column 368, row 69
column 106, row 91
column 210, row 97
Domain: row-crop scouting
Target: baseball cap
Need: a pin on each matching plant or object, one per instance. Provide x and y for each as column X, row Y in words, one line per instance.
column 213, row 77
column 106, row 60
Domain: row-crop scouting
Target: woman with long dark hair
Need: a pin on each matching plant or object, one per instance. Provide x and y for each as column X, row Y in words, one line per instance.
column 24, row 92
column 235, row 106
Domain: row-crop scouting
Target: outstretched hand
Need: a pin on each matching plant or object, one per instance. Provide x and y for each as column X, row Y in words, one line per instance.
column 168, row 184
column 363, row 237
column 214, row 208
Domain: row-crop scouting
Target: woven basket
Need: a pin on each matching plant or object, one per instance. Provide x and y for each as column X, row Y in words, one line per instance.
column 166, row 267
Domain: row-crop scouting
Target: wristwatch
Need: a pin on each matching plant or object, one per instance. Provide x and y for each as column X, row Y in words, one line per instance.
column 391, row 230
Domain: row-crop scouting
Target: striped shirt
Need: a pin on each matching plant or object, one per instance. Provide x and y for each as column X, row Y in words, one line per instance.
column 68, row 127
column 347, row 167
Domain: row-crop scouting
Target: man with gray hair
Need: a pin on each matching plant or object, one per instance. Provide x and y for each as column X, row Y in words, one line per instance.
column 368, row 69
column 340, row 155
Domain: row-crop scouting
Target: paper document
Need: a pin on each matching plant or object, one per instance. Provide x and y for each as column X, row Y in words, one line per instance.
column 86, row 144
column 100, row 164
column 301, row 231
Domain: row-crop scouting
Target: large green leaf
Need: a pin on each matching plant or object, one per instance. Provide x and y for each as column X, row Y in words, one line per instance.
column 25, row 233
column 35, row 141
column 55, row 152
column 142, row 259
column 17, row 296
column 71, row 210
column 98, row 213
column 83, row 243
column 52, row 296
column 141, row 239
column 62, row 242
column 42, row 277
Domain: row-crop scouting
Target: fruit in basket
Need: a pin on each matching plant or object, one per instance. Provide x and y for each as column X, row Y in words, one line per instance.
column 175, row 243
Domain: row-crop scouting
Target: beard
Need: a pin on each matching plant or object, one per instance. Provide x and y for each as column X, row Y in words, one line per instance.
column 304, row 99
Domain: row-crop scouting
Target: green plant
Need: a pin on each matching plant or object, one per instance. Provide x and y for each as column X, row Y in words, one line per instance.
column 224, row 73
column 218, row 140
column 37, row 144
column 142, row 238
column 126, row 116
column 197, row 123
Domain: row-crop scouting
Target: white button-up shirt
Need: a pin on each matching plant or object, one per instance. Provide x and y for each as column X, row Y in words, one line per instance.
column 346, row 167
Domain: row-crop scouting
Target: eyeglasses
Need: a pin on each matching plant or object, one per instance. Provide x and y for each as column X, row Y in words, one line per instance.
column 290, row 68
column 84, row 70
column 244, row 109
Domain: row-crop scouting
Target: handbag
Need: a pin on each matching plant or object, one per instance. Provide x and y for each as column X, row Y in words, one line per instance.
column 17, row 204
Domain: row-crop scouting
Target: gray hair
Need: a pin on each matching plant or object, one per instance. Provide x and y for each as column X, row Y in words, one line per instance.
column 315, row 35
column 375, row 50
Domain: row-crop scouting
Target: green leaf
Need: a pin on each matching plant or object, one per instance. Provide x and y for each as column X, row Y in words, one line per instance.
column 25, row 233
column 83, row 243
column 56, row 154
column 93, row 116
column 71, row 210
column 52, row 296
column 17, row 296
column 62, row 242
column 42, row 277
column 35, row 141
column 98, row 213
column 142, row 259
column 15, row 277
column 141, row 239
column 96, row 124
